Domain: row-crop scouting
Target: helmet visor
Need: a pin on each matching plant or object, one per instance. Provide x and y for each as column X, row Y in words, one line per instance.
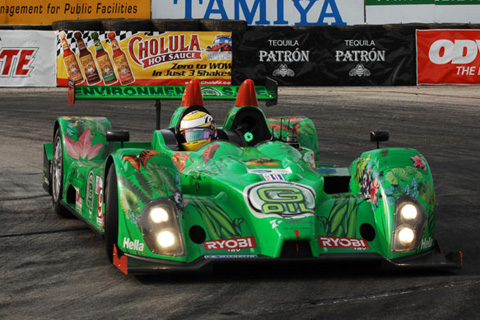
column 197, row 134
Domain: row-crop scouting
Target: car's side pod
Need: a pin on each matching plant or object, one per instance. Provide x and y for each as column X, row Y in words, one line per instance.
column 79, row 148
column 148, row 187
column 393, row 180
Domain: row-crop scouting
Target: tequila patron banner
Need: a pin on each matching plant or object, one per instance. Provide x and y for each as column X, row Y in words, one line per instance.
column 342, row 56
column 126, row 58
column 26, row 58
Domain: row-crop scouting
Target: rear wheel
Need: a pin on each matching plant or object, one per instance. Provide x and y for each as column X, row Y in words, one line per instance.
column 57, row 176
column 111, row 213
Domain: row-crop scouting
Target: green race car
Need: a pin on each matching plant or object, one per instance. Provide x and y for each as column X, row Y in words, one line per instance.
column 257, row 192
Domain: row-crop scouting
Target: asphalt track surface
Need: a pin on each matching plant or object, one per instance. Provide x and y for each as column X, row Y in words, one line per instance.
column 54, row 268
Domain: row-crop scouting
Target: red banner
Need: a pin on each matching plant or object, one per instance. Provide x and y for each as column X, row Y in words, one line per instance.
column 448, row 56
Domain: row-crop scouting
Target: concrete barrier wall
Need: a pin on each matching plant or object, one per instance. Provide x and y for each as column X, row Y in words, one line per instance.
column 361, row 55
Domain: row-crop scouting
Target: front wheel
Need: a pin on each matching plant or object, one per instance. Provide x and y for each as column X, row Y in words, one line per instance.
column 57, row 176
column 111, row 212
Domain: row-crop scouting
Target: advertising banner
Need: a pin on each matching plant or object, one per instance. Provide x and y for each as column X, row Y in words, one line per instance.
column 448, row 56
column 290, row 57
column 345, row 56
column 265, row 12
column 27, row 58
column 422, row 11
column 38, row 12
column 126, row 58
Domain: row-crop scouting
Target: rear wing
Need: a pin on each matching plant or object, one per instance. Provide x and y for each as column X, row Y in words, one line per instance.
column 268, row 92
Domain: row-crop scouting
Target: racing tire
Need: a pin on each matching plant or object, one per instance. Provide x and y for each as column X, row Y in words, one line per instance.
column 164, row 25
column 25, row 27
column 77, row 25
column 56, row 171
column 223, row 25
column 111, row 213
column 133, row 25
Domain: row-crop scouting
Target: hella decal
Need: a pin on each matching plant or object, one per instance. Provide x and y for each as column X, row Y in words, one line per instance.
column 426, row 243
column 133, row 245
column 230, row 244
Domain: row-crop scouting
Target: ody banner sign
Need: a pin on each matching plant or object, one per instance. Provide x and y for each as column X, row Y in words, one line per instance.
column 448, row 56
column 123, row 58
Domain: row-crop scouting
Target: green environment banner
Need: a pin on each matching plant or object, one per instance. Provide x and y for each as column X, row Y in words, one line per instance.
column 164, row 92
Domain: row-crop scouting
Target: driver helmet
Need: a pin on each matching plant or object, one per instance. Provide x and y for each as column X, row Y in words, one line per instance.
column 198, row 129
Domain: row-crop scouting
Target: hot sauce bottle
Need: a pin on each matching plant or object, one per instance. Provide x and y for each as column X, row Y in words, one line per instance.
column 86, row 59
column 70, row 61
column 121, row 63
column 103, row 60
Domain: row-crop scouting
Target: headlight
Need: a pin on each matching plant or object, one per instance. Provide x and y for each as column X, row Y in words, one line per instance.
column 409, row 224
column 408, row 211
column 166, row 239
column 158, row 215
column 161, row 229
column 405, row 235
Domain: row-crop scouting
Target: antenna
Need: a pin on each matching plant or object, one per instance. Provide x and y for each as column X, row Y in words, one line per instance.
column 281, row 128
column 158, row 108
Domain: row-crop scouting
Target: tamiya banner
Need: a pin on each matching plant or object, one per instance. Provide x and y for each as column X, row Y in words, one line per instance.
column 448, row 56
column 422, row 11
column 32, row 12
column 265, row 12
column 344, row 56
column 27, row 58
column 126, row 58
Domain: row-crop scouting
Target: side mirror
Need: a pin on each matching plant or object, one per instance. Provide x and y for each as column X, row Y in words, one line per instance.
column 118, row 135
column 272, row 88
column 379, row 136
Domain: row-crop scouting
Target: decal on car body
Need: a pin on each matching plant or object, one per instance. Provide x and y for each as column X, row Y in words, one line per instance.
column 280, row 200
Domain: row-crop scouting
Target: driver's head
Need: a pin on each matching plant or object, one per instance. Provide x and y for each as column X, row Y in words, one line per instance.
column 198, row 129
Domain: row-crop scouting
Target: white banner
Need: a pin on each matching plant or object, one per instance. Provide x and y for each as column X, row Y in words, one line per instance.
column 265, row 12
column 27, row 58
column 422, row 13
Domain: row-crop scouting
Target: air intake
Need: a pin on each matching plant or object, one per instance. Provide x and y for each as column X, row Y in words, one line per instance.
column 296, row 250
